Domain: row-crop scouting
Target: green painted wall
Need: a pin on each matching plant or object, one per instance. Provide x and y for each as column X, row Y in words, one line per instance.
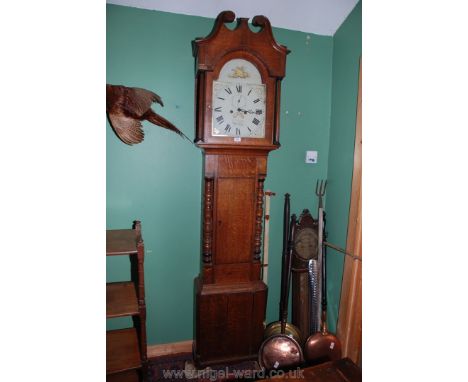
column 159, row 180
column 346, row 52
column 305, row 116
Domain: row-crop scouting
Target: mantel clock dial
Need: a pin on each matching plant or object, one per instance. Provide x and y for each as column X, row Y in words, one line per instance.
column 305, row 243
column 238, row 84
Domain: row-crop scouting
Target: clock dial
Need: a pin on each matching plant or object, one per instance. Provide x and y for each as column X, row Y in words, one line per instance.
column 238, row 101
column 238, row 109
column 305, row 243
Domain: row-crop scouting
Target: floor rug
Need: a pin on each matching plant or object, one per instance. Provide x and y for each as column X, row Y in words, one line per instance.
column 180, row 367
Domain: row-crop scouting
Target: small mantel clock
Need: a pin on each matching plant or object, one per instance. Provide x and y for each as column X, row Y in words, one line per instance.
column 238, row 82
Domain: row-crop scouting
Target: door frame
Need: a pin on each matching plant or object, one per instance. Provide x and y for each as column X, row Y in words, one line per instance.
column 349, row 328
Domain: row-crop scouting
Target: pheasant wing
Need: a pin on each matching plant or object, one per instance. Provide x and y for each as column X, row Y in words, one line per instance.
column 138, row 101
column 129, row 130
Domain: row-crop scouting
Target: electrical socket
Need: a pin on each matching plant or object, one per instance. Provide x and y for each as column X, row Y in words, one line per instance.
column 311, row 157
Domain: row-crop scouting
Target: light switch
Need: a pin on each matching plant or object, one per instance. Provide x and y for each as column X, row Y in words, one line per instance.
column 311, row 157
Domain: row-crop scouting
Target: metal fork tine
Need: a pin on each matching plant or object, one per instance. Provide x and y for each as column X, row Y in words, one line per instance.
column 320, row 188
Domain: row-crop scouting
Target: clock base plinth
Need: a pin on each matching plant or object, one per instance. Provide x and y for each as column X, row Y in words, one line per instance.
column 229, row 321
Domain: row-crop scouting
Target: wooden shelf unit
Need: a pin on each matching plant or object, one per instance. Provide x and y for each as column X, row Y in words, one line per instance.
column 126, row 358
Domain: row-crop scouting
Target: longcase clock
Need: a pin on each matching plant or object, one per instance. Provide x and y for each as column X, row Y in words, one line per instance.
column 238, row 82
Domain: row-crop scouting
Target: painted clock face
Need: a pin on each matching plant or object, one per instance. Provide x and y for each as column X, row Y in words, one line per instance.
column 238, row 107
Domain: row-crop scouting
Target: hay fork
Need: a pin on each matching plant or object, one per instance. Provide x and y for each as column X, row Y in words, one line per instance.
column 320, row 188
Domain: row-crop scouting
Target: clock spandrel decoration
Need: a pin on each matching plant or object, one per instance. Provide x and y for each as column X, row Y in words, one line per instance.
column 237, row 101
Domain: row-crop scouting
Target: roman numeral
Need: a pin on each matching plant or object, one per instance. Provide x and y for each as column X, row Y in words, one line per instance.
column 258, row 111
column 239, row 88
column 221, row 98
column 237, row 131
column 219, row 108
column 257, row 100
column 248, row 128
column 220, row 119
column 255, row 121
column 227, row 128
column 228, row 91
column 250, row 91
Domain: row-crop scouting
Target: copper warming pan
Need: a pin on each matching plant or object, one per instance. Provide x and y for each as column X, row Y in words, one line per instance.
column 322, row 346
column 281, row 348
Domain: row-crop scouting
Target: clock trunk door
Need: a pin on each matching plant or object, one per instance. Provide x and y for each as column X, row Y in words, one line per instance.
column 235, row 224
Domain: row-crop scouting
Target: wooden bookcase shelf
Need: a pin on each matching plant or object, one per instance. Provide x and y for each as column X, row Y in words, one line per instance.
column 122, row 350
column 126, row 348
column 121, row 299
column 121, row 242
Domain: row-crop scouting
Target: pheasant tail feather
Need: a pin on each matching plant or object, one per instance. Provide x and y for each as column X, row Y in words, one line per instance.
column 152, row 117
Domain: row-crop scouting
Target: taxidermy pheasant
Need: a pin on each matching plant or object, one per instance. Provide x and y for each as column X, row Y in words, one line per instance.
column 127, row 107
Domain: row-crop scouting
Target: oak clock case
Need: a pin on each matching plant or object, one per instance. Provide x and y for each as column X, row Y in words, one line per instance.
column 238, row 82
